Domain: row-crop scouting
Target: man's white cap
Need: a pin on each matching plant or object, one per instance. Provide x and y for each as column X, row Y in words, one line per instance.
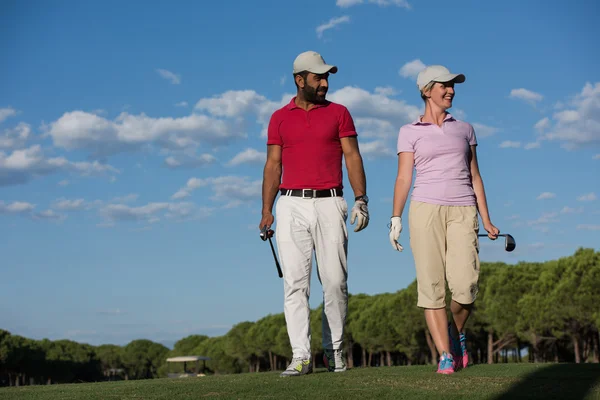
column 437, row 73
column 312, row 61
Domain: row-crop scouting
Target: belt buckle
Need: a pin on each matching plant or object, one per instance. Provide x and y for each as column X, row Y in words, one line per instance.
column 312, row 193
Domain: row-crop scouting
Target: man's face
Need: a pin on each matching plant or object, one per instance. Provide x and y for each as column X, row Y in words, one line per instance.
column 315, row 87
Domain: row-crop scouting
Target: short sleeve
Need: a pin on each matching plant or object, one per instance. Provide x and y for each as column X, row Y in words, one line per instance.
column 273, row 135
column 472, row 138
column 405, row 141
column 347, row 127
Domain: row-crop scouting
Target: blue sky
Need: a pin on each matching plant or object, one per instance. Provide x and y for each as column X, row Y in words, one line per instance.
column 132, row 145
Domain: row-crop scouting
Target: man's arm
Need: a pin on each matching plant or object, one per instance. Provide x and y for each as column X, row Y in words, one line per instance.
column 270, row 185
column 354, row 165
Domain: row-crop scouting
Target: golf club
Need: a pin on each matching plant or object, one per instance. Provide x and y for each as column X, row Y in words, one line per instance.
column 509, row 242
column 267, row 234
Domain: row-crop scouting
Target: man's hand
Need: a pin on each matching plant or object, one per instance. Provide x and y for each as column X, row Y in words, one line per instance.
column 395, row 229
column 267, row 219
column 360, row 211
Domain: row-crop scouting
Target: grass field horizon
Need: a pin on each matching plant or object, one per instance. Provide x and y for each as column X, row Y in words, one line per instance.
column 491, row 382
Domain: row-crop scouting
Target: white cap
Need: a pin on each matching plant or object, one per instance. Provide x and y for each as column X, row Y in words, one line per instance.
column 437, row 73
column 312, row 61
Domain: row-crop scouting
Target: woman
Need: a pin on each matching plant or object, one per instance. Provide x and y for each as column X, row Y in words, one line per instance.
column 443, row 214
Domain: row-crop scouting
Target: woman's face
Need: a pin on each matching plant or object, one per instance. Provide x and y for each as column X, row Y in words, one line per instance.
column 441, row 94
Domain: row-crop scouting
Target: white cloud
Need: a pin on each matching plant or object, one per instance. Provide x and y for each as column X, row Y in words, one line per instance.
column 63, row 183
column 131, row 197
column 70, row 205
column 526, row 95
column 596, row 157
column 16, row 207
column 15, row 137
column 411, row 69
column 544, row 219
column 510, row 144
column 482, row 130
column 332, row 23
column 191, row 185
column 377, row 128
column 49, row 215
column 381, row 3
column 532, row 145
column 569, row 210
column 579, row 125
column 181, row 104
column 6, row 113
column 81, row 130
column 385, row 91
column 363, row 104
column 588, row 197
column 123, row 212
column 542, row 124
column 588, row 227
column 26, row 209
column 248, row 156
column 376, row 149
column 170, row 76
column 23, row 165
column 189, row 160
column 234, row 190
column 236, row 104
column 233, row 103
column 546, row 195
column 152, row 212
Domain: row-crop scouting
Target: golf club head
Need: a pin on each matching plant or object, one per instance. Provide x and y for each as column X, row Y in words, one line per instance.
column 266, row 233
column 509, row 242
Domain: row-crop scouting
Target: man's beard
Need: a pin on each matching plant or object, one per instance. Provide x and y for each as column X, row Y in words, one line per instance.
column 312, row 96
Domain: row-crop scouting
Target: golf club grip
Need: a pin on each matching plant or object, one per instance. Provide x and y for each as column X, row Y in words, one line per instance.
column 276, row 260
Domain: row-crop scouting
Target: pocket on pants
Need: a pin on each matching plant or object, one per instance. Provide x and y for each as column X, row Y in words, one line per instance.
column 332, row 217
column 342, row 206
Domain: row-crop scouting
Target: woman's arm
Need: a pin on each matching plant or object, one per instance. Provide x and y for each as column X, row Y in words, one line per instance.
column 403, row 181
column 480, row 195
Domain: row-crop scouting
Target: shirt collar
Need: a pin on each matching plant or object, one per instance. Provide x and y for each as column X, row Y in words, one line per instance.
column 449, row 117
column 292, row 104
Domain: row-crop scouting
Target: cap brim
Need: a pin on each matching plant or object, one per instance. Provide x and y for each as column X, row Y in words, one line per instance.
column 456, row 78
column 323, row 69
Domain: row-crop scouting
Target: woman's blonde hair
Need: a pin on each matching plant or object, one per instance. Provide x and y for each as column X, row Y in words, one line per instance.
column 426, row 89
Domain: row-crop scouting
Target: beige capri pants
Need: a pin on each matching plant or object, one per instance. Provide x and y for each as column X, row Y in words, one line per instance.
column 445, row 247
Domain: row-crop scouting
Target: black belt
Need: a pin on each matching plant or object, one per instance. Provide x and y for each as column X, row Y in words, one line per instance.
column 311, row 193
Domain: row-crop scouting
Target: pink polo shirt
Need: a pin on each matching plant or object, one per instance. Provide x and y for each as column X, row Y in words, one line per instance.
column 441, row 160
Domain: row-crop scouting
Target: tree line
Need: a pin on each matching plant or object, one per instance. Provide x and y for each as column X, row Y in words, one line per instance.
column 525, row 312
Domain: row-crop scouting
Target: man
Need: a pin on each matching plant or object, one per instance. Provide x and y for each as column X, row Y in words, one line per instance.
column 307, row 139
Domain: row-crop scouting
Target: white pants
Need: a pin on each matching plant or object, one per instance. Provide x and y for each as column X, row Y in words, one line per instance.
column 304, row 225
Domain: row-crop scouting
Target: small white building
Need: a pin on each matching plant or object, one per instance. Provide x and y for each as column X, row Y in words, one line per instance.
column 185, row 360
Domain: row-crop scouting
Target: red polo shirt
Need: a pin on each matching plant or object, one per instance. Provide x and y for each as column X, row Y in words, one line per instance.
column 311, row 146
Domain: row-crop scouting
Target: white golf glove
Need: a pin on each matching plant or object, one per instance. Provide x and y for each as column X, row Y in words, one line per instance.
column 360, row 211
column 395, row 229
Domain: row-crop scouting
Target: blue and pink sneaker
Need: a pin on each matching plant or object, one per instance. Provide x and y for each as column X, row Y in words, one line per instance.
column 446, row 364
column 463, row 349
column 459, row 349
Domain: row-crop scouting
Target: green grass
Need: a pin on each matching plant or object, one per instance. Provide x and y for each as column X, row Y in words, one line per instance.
column 497, row 382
